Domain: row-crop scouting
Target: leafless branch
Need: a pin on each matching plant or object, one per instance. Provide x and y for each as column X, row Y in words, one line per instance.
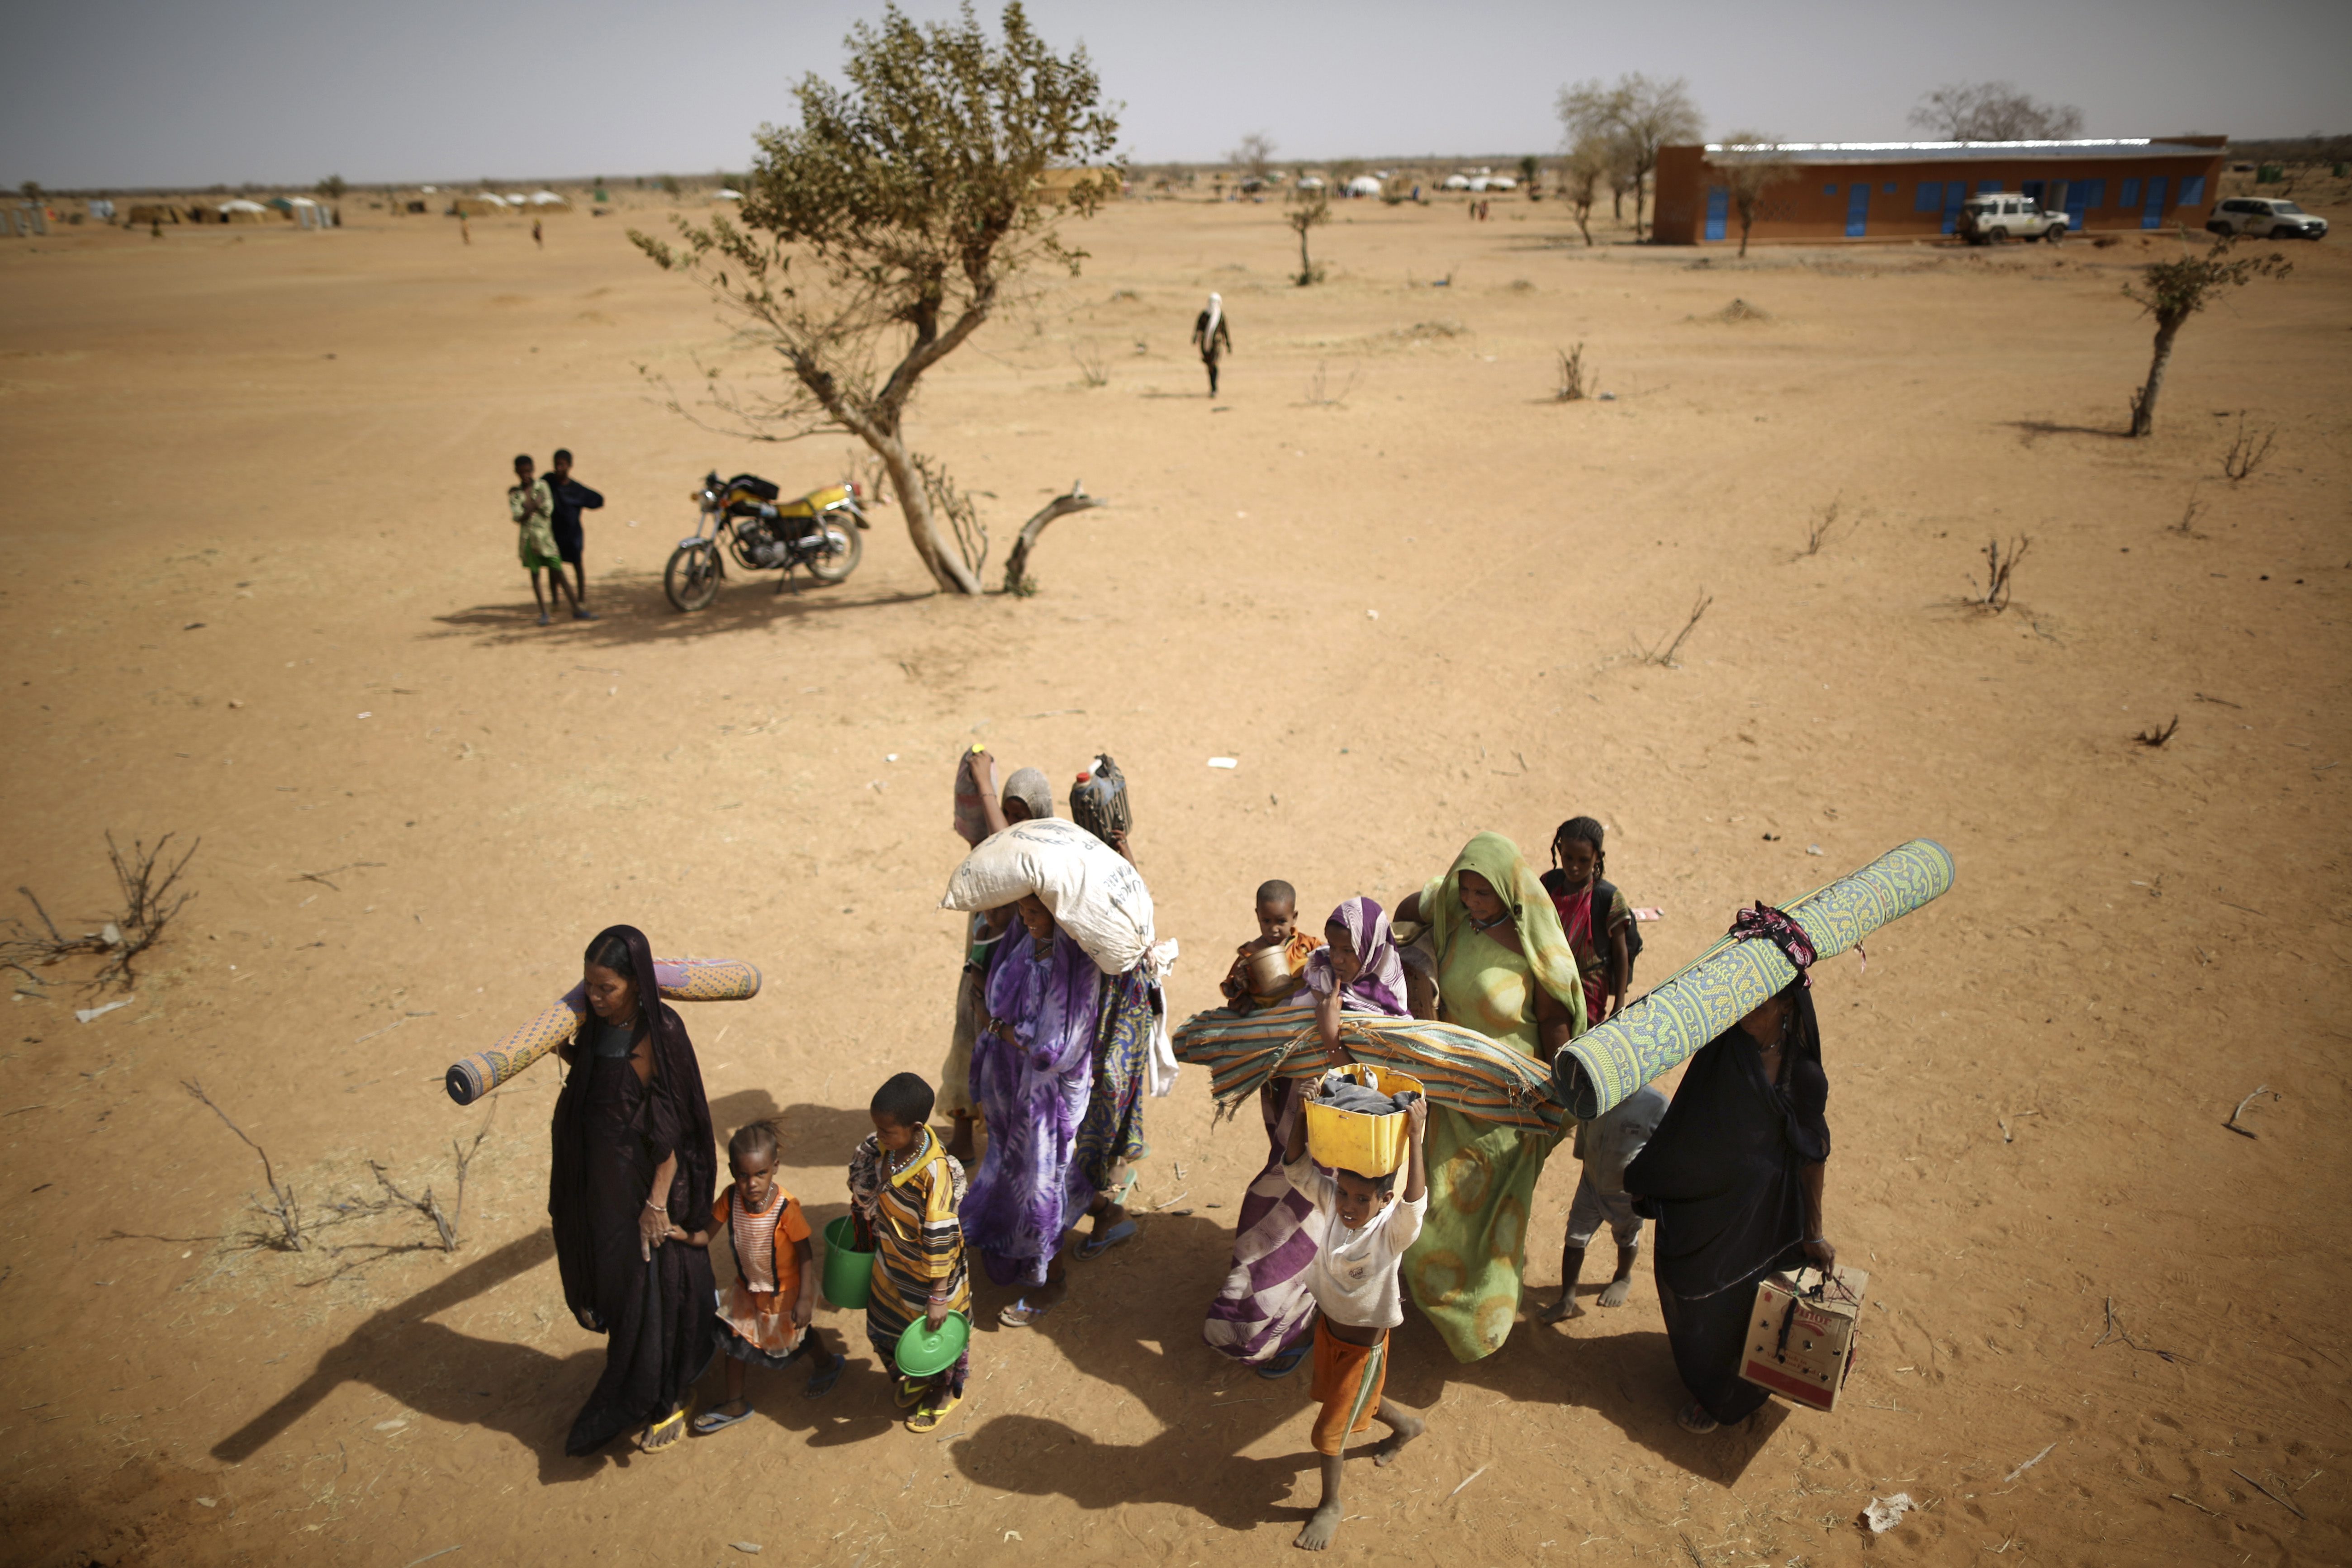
column 1662, row 653
column 283, row 1209
column 1573, row 377
column 2157, row 736
column 1993, row 594
column 2246, row 452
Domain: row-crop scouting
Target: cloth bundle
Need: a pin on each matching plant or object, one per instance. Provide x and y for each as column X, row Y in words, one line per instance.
column 1459, row 1067
column 680, row 979
column 1347, row 1094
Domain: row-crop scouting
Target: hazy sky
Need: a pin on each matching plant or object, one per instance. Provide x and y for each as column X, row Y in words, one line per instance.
column 141, row 92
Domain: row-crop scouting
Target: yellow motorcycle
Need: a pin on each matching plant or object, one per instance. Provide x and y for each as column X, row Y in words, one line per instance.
column 821, row 530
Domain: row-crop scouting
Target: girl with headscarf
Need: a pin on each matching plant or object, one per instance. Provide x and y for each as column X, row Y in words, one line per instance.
column 1028, row 797
column 1265, row 1315
column 1033, row 1073
column 1504, row 968
column 1213, row 337
column 633, row 1148
column 1733, row 1176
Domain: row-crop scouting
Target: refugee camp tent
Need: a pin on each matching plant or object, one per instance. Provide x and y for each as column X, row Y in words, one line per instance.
column 1364, row 185
column 723, row 194
column 1310, row 182
column 1457, row 182
column 243, row 211
column 547, row 201
column 152, row 213
column 101, row 209
column 481, row 205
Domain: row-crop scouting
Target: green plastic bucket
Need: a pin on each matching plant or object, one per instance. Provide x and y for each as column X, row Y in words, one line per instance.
column 923, row 1354
column 848, row 1273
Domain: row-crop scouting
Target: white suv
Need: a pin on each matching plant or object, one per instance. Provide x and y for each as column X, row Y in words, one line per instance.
column 1990, row 220
column 2265, row 218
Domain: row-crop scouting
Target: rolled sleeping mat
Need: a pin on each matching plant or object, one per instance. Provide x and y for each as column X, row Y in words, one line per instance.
column 679, row 979
column 1720, row 986
column 1457, row 1067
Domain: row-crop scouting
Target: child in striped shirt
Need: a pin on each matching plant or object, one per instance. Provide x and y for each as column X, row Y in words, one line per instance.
column 764, row 1315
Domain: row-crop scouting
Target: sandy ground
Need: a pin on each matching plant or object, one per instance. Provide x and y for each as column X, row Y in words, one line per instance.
column 265, row 593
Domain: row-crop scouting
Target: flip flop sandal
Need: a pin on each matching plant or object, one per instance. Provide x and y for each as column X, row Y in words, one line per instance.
column 822, row 1379
column 1021, row 1314
column 1692, row 1418
column 718, row 1420
column 663, row 1433
column 1095, row 1246
column 929, row 1417
column 910, row 1392
column 1284, row 1364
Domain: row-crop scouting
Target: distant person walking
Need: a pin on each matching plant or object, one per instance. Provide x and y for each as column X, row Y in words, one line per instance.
column 1211, row 336
column 537, row 237
column 570, row 497
column 465, row 230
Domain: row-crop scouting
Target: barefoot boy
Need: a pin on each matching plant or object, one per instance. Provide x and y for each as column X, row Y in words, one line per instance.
column 1606, row 1144
column 1278, row 927
column 1366, row 1229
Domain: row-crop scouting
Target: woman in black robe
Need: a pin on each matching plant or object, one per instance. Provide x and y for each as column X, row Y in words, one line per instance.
column 633, row 1151
column 1733, row 1176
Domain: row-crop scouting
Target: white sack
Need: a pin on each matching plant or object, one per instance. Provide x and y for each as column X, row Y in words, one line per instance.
column 1096, row 896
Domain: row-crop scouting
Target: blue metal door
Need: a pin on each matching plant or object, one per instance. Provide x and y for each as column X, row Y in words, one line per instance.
column 1955, row 193
column 1719, row 209
column 2152, row 215
column 2078, row 202
column 1857, row 209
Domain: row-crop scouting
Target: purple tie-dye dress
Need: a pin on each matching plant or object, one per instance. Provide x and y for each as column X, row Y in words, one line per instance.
column 1265, row 1308
column 1033, row 1091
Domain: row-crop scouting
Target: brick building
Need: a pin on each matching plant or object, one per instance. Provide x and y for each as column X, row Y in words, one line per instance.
column 1913, row 190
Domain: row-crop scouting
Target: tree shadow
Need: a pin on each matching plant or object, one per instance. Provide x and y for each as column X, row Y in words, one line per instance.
column 635, row 612
column 2031, row 430
column 437, row 1371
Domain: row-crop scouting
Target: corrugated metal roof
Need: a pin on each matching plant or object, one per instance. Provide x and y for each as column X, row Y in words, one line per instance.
column 1961, row 151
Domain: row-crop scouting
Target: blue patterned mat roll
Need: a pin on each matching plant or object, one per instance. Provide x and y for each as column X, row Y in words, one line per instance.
column 1727, row 981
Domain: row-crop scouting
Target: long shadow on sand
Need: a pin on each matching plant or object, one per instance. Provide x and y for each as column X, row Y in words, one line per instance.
column 634, row 613
column 1133, row 1320
column 2031, row 430
column 512, row 1388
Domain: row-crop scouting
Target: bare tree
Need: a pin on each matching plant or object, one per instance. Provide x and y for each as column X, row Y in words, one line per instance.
column 1993, row 111
column 1642, row 115
column 889, row 224
column 2172, row 291
column 1254, row 156
column 1580, row 173
column 1311, row 209
column 1750, row 162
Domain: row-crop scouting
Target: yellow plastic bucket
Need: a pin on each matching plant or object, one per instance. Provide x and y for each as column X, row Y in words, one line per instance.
column 1352, row 1140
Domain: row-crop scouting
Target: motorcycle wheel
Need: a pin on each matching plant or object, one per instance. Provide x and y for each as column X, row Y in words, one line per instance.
column 844, row 549
column 691, row 578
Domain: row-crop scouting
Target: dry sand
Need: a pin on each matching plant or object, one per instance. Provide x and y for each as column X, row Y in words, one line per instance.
column 266, row 592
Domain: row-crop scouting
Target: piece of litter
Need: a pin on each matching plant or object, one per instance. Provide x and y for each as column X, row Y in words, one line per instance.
column 112, row 934
column 1649, row 914
column 1607, row 398
column 86, row 1014
column 1011, row 1535
column 750, row 1546
column 369, row 714
column 633, row 523
column 1371, row 615
column 431, row 1555
column 890, row 757
column 1468, row 1478
column 390, row 1426
column 1812, row 848
column 1224, row 763
column 1883, row 1515
column 207, row 1502
column 2027, row 1465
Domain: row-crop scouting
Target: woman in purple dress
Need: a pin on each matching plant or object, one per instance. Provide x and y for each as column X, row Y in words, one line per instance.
column 1264, row 1316
column 1033, row 1074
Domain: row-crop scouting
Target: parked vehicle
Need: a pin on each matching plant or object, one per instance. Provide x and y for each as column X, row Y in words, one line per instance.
column 2265, row 218
column 821, row 530
column 1995, row 219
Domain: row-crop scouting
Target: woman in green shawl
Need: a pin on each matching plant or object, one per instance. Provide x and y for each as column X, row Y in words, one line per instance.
column 1505, row 970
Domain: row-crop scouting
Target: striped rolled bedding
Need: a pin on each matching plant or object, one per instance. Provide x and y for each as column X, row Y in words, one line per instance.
column 1714, row 991
column 680, row 979
column 1459, row 1067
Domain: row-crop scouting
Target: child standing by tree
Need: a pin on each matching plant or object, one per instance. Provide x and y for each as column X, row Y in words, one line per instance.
column 1366, row 1229
column 764, row 1316
column 1593, row 915
column 533, row 506
column 908, row 1197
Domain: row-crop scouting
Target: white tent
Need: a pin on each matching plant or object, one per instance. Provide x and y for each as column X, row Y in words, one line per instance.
column 547, row 199
column 1501, row 182
column 1310, row 182
column 723, row 194
column 1457, row 182
column 516, row 199
column 1363, row 185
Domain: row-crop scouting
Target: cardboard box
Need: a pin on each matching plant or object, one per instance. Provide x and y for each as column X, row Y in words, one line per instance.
column 1801, row 1332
